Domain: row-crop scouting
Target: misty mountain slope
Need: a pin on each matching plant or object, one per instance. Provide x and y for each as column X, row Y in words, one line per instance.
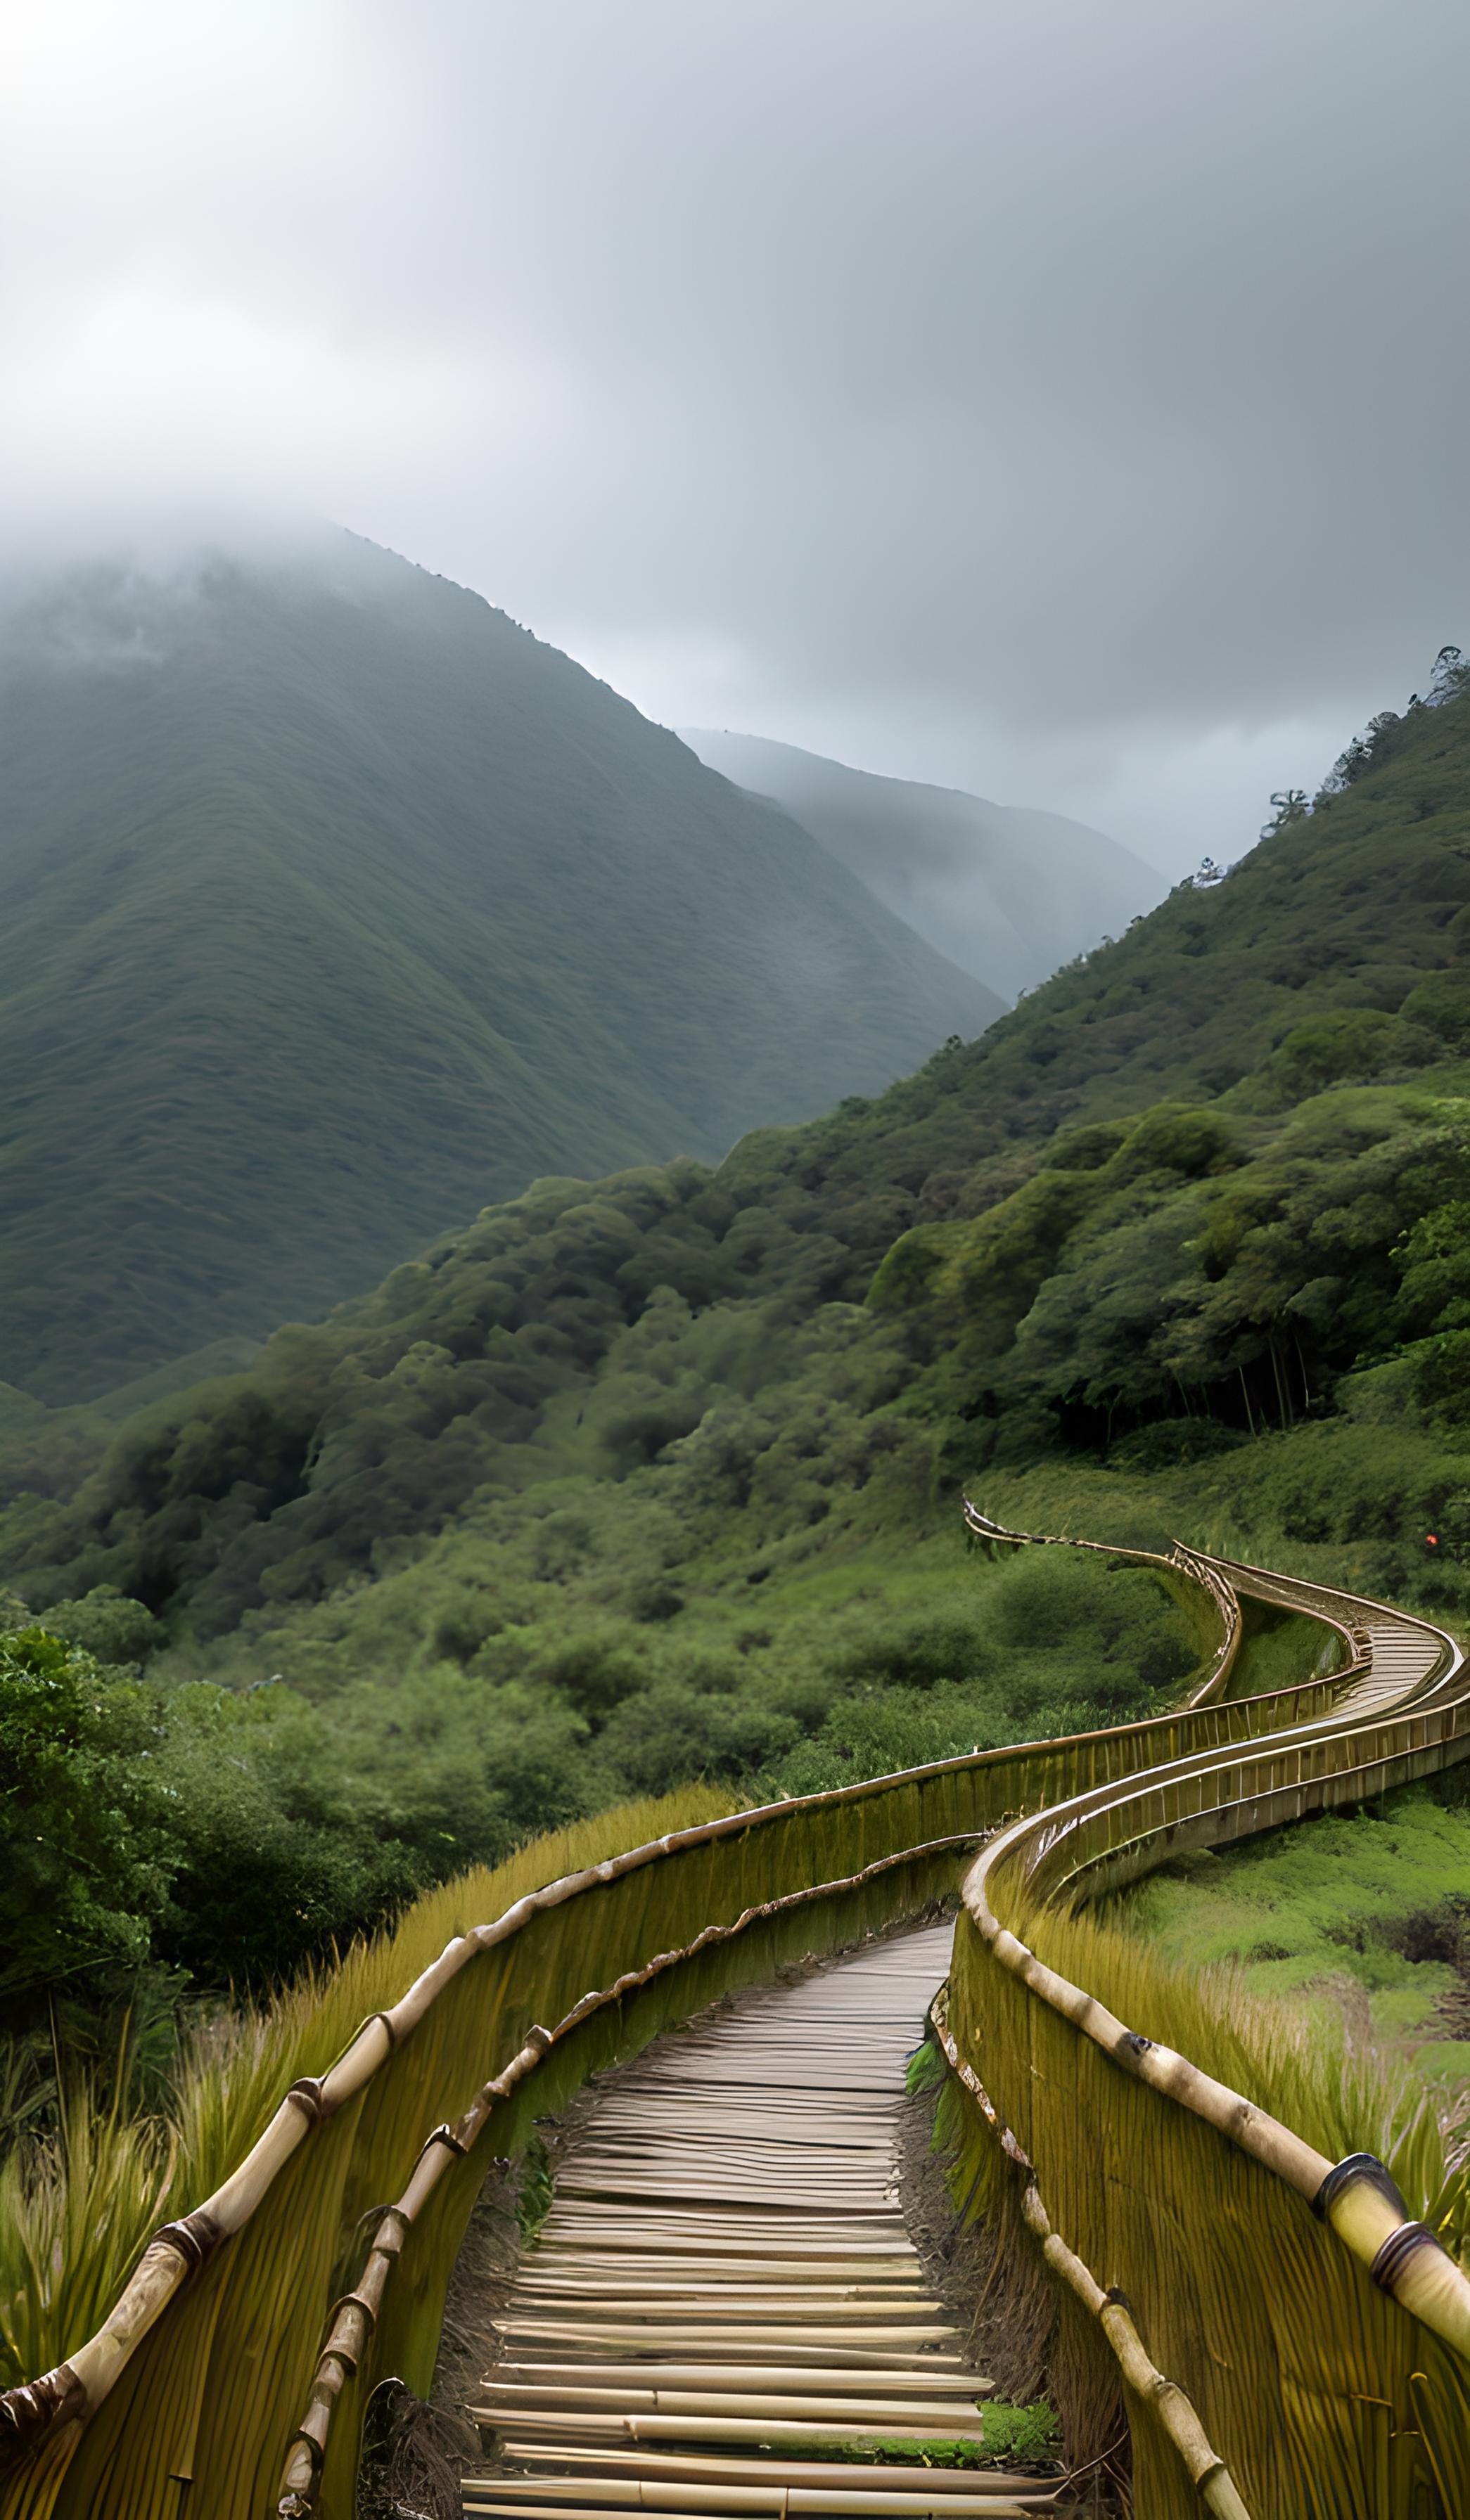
column 1008, row 892
column 1196, row 1207
column 337, row 905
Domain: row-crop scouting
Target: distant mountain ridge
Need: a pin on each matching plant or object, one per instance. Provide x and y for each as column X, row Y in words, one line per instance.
column 1008, row 892
column 337, row 906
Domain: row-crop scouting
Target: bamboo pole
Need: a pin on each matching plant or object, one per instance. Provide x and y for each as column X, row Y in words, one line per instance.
column 944, row 2485
column 948, row 2417
column 1206, row 2471
column 596, row 2496
column 840, row 2381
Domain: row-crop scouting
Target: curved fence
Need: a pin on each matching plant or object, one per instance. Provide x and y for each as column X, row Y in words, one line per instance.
column 232, row 2377
column 1321, row 2332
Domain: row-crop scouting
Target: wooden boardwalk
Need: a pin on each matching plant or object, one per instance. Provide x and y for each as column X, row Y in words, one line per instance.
column 725, row 2289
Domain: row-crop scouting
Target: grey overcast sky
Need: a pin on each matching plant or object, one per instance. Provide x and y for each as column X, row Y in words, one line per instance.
column 1063, row 399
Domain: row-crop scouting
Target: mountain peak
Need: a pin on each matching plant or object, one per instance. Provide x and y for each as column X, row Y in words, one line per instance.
column 339, row 906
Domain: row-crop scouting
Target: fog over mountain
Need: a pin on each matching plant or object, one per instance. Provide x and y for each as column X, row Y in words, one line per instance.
column 336, row 905
column 1007, row 892
column 1051, row 403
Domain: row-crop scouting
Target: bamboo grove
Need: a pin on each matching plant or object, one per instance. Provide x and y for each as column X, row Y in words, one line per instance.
column 1287, row 2234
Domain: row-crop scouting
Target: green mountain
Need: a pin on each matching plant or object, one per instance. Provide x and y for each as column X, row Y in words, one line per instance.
column 654, row 1477
column 335, row 906
column 1007, row 892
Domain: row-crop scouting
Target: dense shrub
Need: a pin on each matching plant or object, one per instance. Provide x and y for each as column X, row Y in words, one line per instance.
column 85, row 1815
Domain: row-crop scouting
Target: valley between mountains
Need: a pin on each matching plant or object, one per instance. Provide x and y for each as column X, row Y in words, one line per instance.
column 628, row 1483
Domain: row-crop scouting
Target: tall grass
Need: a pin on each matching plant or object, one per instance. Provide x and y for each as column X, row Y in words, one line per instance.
column 1341, row 2089
column 1322, row 2394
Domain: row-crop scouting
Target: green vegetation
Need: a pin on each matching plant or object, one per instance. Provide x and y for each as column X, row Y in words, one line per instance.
column 1006, row 2436
column 654, row 1480
column 1364, row 1917
column 215, row 1832
column 166, row 1839
column 335, row 905
column 535, row 2190
column 1308, row 2064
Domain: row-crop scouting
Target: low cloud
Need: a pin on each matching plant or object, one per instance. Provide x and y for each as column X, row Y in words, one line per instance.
column 1059, row 402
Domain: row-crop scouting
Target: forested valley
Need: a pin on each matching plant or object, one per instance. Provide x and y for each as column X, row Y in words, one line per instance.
column 631, row 1483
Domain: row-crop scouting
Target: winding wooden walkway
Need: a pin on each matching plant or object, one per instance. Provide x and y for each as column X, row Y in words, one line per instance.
column 1401, row 1657
column 725, row 2289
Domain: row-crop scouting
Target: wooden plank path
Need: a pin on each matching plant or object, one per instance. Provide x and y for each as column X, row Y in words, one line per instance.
column 725, row 2288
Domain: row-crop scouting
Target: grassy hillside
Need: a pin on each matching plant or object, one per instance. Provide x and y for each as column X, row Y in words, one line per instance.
column 335, row 906
column 1363, row 1917
column 628, row 1484
column 1007, row 892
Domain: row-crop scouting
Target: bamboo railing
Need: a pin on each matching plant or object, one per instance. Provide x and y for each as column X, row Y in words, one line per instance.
column 201, row 2383
column 1326, row 2350
column 1179, row 2422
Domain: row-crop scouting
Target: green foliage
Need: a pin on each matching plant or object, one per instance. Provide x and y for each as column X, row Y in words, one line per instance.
column 195, row 1835
column 1434, row 1263
column 1356, row 1915
column 440, row 1732
column 1329, row 1048
column 1020, row 2434
column 654, row 1479
column 1441, row 1006
column 83, row 1819
column 926, row 2068
column 536, row 2192
column 274, row 1852
column 108, row 1624
column 1006, row 2436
